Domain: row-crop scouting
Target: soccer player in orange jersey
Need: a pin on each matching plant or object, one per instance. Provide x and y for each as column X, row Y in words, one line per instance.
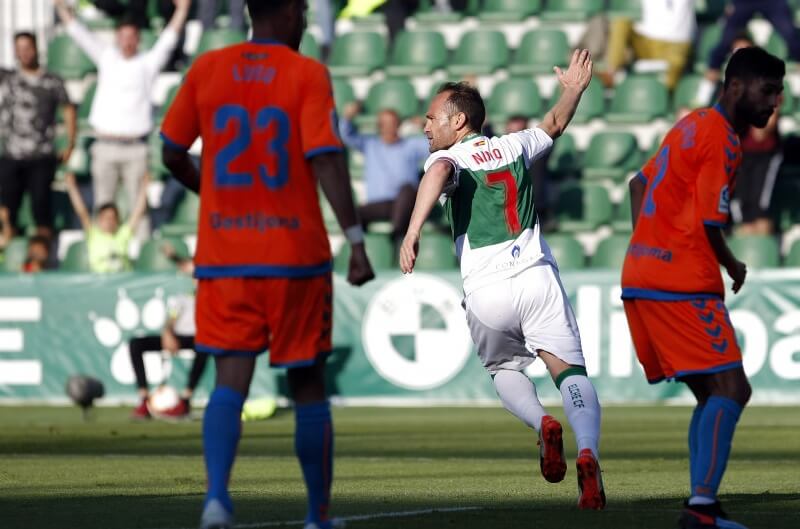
column 267, row 121
column 671, row 283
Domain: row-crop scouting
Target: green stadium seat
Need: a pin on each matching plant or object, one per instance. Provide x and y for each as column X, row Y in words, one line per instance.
column 152, row 258
column 685, row 95
column 508, row 10
column 309, row 47
column 479, row 52
column 540, row 50
column 380, row 250
column 709, row 10
column 610, row 253
column 76, row 259
column 756, row 251
column 709, row 37
column 571, row 10
column 514, row 97
column 357, row 53
column 567, row 251
column 395, row 94
column 66, row 59
column 436, row 252
column 582, row 207
column 215, row 39
column 343, row 93
column 14, row 255
column 783, row 207
column 564, row 157
column 626, row 8
column 171, row 93
column 147, row 39
column 793, row 258
column 592, row 105
column 638, row 99
column 417, row 53
column 622, row 218
column 185, row 220
column 777, row 46
column 85, row 108
column 789, row 100
column 611, row 155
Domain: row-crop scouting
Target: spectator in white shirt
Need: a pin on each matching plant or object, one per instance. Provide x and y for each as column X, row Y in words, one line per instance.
column 664, row 33
column 121, row 113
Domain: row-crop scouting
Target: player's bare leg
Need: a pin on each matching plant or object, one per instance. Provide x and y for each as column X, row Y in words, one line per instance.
column 583, row 412
column 313, row 440
column 720, row 399
column 221, row 433
column 518, row 394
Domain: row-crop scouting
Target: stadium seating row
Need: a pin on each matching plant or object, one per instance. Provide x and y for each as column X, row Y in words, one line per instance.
column 436, row 253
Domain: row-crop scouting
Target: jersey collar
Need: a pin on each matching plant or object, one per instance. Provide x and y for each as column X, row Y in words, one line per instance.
column 722, row 113
column 468, row 137
column 267, row 41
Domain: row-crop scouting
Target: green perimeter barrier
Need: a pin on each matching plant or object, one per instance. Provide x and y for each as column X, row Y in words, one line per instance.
column 400, row 340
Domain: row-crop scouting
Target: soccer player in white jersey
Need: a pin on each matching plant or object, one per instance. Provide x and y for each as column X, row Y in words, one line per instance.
column 516, row 307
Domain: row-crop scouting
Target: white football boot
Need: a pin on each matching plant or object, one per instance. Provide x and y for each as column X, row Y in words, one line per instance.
column 215, row 516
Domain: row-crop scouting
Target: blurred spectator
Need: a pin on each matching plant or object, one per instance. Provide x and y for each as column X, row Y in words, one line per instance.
column 106, row 240
column 136, row 10
column 395, row 11
column 738, row 15
column 121, row 113
column 537, row 171
column 664, row 33
column 29, row 99
column 6, row 233
column 391, row 168
column 207, row 13
column 325, row 20
column 178, row 333
column 171, row 196
column 37, row 258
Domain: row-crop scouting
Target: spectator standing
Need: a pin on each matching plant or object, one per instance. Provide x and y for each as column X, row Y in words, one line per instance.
column 664, row 33
column 29, row 99
column 391, row 168
column 121, row 113
column 738, row 15
column 106, row 240
column 207, row 13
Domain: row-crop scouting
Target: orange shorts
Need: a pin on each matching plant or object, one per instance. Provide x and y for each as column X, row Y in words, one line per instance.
column 674, row 339
column 293, row 318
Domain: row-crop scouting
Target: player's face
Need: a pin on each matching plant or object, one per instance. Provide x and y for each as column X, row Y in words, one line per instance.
column 759, row 100
column 128, row 41
column 108, row 221
column 439, row 124
column 25, row 51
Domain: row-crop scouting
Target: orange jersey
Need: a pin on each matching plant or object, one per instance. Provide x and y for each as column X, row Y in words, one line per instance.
column 688, row 186
column 262, row 110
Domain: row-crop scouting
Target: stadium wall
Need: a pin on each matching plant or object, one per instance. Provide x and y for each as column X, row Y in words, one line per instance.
column 400, row 340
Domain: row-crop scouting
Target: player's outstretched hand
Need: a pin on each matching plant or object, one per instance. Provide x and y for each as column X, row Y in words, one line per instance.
column 738, row 272
column 360, row 268
column 579, row 72
column 408, row 252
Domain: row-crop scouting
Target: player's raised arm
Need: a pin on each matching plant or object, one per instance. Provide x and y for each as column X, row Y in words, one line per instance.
column 430, row 189
column 330, row 169
column 574, row 82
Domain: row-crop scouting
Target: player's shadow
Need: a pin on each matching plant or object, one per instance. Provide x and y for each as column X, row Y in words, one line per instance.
column 477, row 510
column 334, row 366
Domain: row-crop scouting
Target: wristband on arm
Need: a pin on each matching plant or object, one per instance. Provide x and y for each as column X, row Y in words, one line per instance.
column 354, row 234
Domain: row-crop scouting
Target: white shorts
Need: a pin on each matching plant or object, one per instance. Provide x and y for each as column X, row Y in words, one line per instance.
column 513, row 319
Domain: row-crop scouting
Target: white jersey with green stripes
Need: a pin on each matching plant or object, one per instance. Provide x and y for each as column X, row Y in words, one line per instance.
column 489, row 203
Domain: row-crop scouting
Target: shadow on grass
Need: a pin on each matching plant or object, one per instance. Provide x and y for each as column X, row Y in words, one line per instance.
column 775, row 511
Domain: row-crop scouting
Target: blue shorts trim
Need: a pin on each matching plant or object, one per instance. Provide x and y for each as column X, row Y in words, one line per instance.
column 717, row 369
column 216, row 351
column 715, row 223
column 660, row 295
column 656, row 380
column 305, row 363
column 323, row 150
column 283, row 271
column 174, row 145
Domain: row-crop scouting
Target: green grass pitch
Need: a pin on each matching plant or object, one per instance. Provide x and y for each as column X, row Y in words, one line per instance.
column 57, row 472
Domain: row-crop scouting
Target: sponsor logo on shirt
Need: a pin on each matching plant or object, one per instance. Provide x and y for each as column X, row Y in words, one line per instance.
column 724, row 201
column 641, row 250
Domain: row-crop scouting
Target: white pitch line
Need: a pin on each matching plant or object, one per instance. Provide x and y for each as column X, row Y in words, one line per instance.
column 362, row 517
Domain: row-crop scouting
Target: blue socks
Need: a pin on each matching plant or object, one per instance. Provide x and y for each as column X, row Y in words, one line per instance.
column 221, row 431
column 693, row 440
column 714, row 434
column 313, row 444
